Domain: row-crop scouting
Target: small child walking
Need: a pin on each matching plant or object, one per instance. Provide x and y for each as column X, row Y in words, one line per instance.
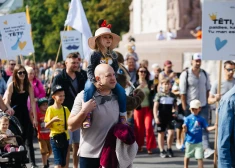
column 43, row 132
column 193, row 125
column 103, row 43
column 56, row 119
column 165, row 107
column 7, row 139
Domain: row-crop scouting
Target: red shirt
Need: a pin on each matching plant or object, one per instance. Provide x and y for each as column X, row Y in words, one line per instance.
column 43, row 132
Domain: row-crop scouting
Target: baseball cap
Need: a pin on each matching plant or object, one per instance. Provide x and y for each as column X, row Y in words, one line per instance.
column 197, row 56
column 42, row 100
column 195, row 104
column 167, row 63
column 56, row 88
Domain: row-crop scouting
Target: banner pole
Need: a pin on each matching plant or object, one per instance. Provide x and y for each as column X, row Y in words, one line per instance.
column 216, row 115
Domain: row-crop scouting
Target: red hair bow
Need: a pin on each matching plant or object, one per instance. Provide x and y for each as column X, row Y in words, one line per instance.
column 104, row 24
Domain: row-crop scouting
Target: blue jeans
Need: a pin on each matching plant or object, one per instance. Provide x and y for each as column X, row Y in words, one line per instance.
column 89, row 162
column 205, row 134
column 59, row 153
column 90, row 89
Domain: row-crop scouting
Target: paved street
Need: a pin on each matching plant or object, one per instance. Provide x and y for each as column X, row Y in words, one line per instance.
column 143, row 160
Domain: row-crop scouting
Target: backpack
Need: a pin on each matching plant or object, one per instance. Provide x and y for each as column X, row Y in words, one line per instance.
column 187, row 77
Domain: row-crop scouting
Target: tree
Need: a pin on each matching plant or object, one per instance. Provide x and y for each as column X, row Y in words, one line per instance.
column 48, row 17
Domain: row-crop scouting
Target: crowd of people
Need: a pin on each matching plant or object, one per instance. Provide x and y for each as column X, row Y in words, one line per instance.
column 83, row 108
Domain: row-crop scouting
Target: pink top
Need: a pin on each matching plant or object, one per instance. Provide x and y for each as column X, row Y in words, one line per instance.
column 39, row 92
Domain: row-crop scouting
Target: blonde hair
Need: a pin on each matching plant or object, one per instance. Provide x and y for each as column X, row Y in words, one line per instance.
column 165, row 80
column 4, row 118
column 29, row 69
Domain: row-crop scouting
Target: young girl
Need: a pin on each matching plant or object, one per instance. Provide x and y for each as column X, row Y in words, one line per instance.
column 103, row 43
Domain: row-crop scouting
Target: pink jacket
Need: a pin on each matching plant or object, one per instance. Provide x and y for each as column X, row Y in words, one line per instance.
column 39, row 92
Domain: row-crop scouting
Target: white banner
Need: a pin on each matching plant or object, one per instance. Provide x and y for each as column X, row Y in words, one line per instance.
column 71, row 42
column 2, row 50
column 16, row 35
column 218, row 27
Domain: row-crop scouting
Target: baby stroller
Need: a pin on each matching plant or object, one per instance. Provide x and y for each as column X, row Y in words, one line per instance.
column 14, row 159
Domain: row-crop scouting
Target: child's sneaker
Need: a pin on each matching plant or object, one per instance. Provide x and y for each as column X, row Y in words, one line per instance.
column 170, row 153
column 87, row 122
column 123, row 119
column 163, row 154
column 21, row 148
column 12, row 149
column 4, row 159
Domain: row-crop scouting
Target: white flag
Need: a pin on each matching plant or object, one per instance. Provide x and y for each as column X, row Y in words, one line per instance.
column 76, row 18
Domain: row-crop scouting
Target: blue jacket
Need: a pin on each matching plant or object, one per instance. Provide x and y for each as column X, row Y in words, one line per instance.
column 226, row 130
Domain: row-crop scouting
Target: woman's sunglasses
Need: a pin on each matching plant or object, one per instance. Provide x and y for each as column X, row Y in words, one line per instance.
column 142, row 71
column 21, row 73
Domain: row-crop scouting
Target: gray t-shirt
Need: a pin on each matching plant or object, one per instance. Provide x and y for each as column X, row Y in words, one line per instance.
column 197, row 87
column 102, row 119
column 225, row 86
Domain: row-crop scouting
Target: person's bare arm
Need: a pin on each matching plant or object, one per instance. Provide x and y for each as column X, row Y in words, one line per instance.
column 33, row 106
column 213, row 98
column 54, row 119
column 3, row 107
column 155, row 112
column 7, row 98
column 75, row 120
column 211, row 128
column 183, row 101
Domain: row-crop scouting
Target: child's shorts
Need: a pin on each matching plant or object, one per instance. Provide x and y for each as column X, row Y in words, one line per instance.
column 165, row 125
column 194, row 150
column 45, row 146
column 59, row 153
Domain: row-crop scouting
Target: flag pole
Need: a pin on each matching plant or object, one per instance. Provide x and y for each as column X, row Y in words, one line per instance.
column 29, row 22
column 216, row 116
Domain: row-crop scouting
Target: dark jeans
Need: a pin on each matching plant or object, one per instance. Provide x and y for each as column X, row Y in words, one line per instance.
column 89, row 162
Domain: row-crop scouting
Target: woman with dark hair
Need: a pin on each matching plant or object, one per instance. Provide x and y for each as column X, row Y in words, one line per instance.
column 143, row 115
column 16, row 98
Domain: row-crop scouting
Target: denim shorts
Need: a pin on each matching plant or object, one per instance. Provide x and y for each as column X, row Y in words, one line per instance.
column 59, row 153
column 74, row 137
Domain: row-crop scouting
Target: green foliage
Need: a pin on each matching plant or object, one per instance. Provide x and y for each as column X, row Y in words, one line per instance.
column 48, row 17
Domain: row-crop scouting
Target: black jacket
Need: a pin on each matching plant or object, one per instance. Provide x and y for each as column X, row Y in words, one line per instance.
column 64, row 80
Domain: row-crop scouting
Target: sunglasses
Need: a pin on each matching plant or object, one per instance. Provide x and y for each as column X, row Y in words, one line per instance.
column 79, row 59
column 12, row 64
column 21, row 73
column 230, row 70
column 142, row 71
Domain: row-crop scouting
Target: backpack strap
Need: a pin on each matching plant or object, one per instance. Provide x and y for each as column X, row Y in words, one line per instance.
column 65, row 120
column 187, row 77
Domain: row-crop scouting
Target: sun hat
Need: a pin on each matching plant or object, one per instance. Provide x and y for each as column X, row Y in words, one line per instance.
column 195, row 104
column 196, row 56
column 42, row 100
column 104, row 29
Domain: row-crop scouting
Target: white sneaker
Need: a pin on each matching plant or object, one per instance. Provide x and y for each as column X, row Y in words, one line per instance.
column 4, row 159
column 12, row 149
column 208, row 152
column 21, row 148
column 178, row 146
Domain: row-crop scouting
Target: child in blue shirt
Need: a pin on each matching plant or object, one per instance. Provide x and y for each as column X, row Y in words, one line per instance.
column 193, row 125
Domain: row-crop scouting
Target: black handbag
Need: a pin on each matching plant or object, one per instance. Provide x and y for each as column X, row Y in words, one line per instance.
column 61, row 139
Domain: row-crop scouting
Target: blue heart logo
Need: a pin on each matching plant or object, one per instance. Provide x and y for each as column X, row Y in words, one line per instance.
column 220, row 44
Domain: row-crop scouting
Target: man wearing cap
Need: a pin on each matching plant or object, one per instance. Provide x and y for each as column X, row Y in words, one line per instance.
column 195, row 84
column 72, row 79
column 227, row 83
column 104, row 105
